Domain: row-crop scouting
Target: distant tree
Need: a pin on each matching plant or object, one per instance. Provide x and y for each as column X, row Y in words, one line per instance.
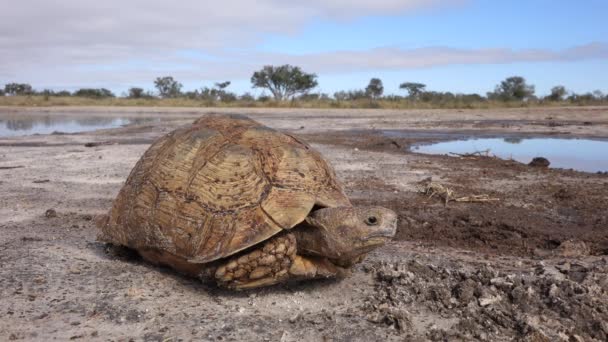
column 247, row 97
column 226, row 96
column 264, row 98
column 598, row 95
column 222, row 94
column 512, row 88
column 313, row 97
column 136, row 93
column 350, row 95
column 375, row 88
column 413, row 89
column 18, row 89
column 1, row 92
column 341, row 95
column 284, row 81
column 63, row 93
column 557, row 93
column 94, row 93
column 168, row 87
column 47, row 93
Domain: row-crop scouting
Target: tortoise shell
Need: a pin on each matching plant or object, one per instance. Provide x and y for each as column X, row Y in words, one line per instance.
column 218, row 186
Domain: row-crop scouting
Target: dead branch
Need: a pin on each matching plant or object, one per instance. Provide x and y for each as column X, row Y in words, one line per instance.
column 432, row 189
column 485, row 153
column 476, row 198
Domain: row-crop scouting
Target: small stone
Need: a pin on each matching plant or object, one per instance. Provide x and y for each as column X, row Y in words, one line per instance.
column 540, row 162
column 501, row 283
column 488, row 300
column 231, row 265
column 294, row 318
column 571, row 248
column 50, row 213
column 553, row 291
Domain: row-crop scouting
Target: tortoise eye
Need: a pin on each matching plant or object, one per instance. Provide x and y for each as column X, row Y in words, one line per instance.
column 371, row 221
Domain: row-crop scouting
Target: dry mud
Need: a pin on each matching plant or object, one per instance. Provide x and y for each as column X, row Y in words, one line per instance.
column 532, row 266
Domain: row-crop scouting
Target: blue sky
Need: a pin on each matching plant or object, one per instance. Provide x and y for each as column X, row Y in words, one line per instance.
column 450, row 45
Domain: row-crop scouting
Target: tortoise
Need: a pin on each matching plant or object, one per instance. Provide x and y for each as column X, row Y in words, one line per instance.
column 229, row 200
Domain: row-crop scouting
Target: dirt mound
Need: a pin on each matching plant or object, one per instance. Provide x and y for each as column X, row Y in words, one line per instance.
column 547, row 302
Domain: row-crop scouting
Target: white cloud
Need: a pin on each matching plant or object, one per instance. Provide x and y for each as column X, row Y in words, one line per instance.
column 73, row 43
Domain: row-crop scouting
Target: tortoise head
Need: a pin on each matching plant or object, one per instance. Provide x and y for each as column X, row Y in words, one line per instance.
column 344, row 235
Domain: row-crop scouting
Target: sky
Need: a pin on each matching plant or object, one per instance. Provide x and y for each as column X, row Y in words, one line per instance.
column 463, row 46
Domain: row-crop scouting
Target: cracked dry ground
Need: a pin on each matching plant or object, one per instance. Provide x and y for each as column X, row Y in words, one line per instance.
column 532, row 266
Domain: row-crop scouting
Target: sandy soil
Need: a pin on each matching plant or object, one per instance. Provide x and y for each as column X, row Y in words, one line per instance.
column 532, row 266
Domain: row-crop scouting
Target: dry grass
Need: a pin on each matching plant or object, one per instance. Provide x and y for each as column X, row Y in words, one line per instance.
column 42, row 101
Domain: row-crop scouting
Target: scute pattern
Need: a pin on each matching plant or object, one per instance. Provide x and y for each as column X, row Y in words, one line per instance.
column 219, row 186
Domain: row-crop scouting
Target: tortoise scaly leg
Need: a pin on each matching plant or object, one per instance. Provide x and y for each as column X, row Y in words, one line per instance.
column 264, row 266
column 274, row 262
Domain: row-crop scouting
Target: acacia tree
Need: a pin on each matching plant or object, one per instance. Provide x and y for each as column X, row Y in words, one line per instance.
column 557, row 93
column 512, row 88
column 18, row 89
column 375, row 88
column 168, row 87
column 136, row 93
column 94, row 93
column 284, row 81
column 413, row 89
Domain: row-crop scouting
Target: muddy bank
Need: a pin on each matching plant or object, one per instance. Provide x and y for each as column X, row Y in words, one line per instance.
column 531, row 266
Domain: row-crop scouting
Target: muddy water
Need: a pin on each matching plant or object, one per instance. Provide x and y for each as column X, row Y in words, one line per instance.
column 11, row 126
column 579, row 154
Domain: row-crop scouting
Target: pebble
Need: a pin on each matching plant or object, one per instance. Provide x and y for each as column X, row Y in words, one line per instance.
column 488, row 300
column 50, row 213
column 294, row 318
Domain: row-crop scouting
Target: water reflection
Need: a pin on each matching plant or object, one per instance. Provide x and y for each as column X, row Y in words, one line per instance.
column 26, row 125
column 579, row 154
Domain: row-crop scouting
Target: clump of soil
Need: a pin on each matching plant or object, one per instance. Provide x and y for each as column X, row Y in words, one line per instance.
column 550, row 301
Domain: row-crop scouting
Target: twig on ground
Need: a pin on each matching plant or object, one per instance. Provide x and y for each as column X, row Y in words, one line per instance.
column 476, row 198
column 446, row 194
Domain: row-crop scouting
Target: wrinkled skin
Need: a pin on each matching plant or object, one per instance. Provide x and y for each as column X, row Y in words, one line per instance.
column 344, row 234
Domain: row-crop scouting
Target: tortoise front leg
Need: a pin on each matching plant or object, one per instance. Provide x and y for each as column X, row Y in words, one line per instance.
column 269, row 264
column 309, row 267
column 274, row 262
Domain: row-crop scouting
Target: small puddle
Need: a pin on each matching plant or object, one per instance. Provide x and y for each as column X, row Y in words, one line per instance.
column 27, row 125
column 578, row 154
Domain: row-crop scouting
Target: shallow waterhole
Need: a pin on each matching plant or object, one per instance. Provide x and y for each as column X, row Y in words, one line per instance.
column 579, row 154
column 11, row 126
